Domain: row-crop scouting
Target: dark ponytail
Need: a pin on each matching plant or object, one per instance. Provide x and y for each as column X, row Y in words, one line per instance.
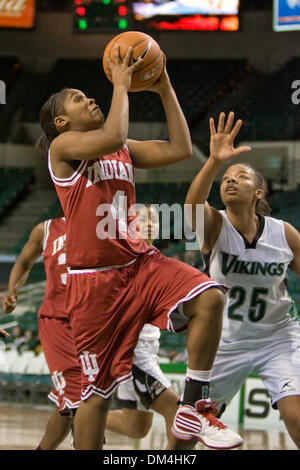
column 262, row 206
column 48, row 112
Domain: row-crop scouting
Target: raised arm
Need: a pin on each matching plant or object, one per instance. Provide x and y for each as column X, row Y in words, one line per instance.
column 21, row 269
column 157, row 153
column 221, row 150
column 109, row 138
column 293, row 240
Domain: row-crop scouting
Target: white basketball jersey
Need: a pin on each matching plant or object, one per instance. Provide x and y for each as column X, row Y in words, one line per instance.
column 149, row 333
column 257, row 302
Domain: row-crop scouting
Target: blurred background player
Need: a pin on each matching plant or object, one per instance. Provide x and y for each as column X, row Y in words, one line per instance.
column 91, row 164
column 250, row 252
column 18, row 338
column 48, row 239
column 3, row 333
column 149, row 390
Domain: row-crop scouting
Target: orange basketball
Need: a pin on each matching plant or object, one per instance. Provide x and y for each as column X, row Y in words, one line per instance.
column 143, row 46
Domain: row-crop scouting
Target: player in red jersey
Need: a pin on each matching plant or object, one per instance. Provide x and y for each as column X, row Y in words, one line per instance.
column 48, row 239
column 116, row 283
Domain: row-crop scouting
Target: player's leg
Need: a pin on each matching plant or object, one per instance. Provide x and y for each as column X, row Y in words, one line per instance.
column 97, row 330
column 289, row 408
column 57, row 430
column 204, row 331
column 194, row 301
column 61, row 357
column 166, row 405
column 152, row 388
column 132, row 423
column 230, row 369
column 132, row 419
column 185, row 298
column 277, row 364
column 89, row 423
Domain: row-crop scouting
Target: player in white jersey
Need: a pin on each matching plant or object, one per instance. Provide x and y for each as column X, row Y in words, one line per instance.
column 250, row 252
column 149, row 390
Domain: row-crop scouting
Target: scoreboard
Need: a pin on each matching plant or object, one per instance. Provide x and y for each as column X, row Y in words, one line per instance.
column 96, row 16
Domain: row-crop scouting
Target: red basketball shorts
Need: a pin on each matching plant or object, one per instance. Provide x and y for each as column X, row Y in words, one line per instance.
column 62, row 359
column 108, row 308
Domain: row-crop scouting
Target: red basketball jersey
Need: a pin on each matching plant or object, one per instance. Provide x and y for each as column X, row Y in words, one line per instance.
column 54, row 257
column 99, row 205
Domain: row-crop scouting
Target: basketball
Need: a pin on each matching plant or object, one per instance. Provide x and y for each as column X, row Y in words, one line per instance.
column 143, row 46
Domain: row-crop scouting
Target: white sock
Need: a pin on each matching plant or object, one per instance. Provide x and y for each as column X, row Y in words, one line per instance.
column 199, row 375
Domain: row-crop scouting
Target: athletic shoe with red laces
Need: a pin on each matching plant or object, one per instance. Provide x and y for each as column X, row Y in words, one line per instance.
column 201, row 422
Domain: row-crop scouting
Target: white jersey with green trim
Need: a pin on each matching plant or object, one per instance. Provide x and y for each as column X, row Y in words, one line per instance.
column 257, row 303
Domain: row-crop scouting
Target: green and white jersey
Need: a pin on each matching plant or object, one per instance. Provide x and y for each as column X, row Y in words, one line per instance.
column 257, row 303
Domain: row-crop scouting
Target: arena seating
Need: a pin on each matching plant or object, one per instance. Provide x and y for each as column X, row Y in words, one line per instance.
column 271, row 115
column 24, row 378
column 204, row 89
column 47, row 213
column 204, row 80
column 286, row 205
column 9, row 73
column 13, row 182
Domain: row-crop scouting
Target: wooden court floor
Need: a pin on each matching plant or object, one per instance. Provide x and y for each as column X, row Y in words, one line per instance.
column 21, row 428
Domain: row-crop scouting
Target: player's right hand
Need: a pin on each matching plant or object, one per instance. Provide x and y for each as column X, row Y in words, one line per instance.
column 8, row 302
column 222, row 140
column 121, row 71
column 163, row 83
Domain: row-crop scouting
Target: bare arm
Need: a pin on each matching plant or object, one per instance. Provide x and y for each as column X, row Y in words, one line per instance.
column 76, row 145
column 197, row 194
column 221, row 150
column 3, row 333
column 293, row 239
column 21, row 269
column 158, row 153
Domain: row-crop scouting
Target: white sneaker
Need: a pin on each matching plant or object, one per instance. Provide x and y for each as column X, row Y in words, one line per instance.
column 200, row 422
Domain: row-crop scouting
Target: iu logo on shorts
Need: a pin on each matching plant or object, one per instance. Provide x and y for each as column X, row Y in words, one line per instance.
column 89, row 365
column 59, row 382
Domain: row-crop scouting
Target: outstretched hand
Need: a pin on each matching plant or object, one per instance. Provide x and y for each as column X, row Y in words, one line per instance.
column 222, row 140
